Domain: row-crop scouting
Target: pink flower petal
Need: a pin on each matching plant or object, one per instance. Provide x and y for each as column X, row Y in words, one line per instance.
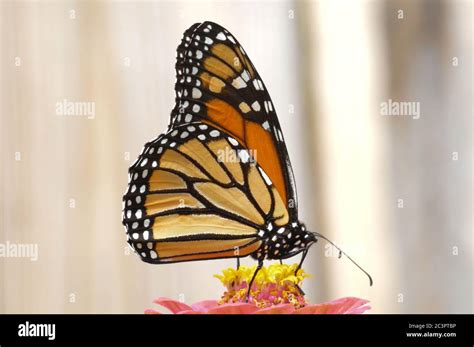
column 349, row 305
column 204, row 306
column 278, row 309
column 173, row 305
column 237, row 308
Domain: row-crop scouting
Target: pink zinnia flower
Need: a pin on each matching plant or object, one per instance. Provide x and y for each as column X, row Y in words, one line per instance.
column 274, row 291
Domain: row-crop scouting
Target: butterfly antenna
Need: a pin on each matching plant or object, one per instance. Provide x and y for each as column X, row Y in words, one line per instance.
column 341, row 252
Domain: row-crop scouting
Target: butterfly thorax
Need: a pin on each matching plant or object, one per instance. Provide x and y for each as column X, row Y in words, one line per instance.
column 281, row 242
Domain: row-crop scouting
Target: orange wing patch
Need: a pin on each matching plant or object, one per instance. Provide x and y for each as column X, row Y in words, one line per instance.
column 253, row 137
column 261, row 141
column 196, row 150
column 227, row 118
column 230, row 199
column 157, row 203
column 222, row 146
column 177, row 225
column 228, row 55
column 174, row 160
column 243, row 251
column 163, row 180
column 176, row 248
column 218, row 68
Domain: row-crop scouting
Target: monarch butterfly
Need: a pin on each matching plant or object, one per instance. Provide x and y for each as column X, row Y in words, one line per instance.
column 219, row 182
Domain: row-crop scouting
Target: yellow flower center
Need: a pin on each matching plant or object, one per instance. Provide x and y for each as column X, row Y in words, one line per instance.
column 273, row 285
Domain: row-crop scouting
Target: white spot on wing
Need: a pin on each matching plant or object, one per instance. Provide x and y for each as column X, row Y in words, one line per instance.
column 196, row 93
column 256, row 106
column 256, row 85
column 244, row 156
column 280, row 135
column 239, row 83
column 266, row 106
column 233, row 141
column 267, row 179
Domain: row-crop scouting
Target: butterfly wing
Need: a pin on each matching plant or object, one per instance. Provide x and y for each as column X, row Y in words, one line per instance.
column 195, row 194
column 218, row 84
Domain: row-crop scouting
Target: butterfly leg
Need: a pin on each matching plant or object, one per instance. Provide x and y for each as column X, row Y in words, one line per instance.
column 281, row 262
column 299, row 267
column 301, row 261
column 238, row 263
column 259, row 266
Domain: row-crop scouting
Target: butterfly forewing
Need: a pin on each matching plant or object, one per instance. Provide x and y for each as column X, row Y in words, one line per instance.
column 217, row 84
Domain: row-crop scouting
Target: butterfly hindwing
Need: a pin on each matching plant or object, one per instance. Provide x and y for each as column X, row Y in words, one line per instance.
column 196, row 193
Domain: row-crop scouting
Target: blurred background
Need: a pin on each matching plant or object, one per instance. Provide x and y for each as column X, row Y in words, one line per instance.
column 394, row 191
